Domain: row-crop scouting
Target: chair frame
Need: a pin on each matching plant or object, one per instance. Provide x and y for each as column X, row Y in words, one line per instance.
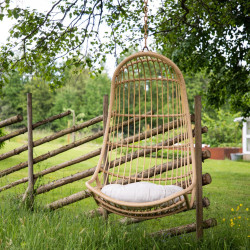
column 141, row 209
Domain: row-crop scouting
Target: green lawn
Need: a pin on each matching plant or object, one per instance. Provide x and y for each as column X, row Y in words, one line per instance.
column 69, row 228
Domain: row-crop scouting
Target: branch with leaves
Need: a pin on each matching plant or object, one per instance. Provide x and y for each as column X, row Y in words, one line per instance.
column 196, row 35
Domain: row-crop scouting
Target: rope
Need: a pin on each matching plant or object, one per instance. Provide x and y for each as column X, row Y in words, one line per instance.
column 145, row 24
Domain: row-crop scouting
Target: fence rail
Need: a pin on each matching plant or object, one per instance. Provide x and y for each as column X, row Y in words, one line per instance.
column 32, row 177
column 35, row 125
column 11, row 120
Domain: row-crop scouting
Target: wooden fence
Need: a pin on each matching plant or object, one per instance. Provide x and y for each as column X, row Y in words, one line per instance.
column 32, row 177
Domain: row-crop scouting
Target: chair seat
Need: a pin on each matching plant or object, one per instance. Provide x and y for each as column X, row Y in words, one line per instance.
column 140, row 192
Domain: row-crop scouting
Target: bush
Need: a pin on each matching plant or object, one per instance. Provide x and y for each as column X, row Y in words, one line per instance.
column 222, row 130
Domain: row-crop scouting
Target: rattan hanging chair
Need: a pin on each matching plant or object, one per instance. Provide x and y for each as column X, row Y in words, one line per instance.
column 148, row 137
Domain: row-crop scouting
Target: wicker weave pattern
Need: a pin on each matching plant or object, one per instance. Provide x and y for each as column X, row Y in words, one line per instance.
column 148, row 136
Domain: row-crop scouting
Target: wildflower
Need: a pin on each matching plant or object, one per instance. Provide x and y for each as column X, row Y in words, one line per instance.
column 241, row 205
column 239, row 217
column 247, row 209
column 238, row 208
column 232, row 209
column 231, row 220
column 234, row 218
column 223, row 219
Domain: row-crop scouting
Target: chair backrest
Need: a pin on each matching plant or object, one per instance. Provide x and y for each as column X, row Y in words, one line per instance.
column 149, row 134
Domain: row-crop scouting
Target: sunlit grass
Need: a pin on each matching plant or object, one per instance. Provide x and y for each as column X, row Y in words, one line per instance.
column 68, row 228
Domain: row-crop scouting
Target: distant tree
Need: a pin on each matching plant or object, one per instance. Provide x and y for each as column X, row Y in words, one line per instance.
column 83, row 94
column 209, row 35
column 93, row 98
column 64, row 99
column 14, row 98
column 11, row 101
column 42, row 99
column 196, row 84
column 222, row 130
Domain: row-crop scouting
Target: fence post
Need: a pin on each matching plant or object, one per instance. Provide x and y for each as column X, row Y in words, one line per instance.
column 29, row 194
column 198, row 162
column 74, row 123
column 105, row 118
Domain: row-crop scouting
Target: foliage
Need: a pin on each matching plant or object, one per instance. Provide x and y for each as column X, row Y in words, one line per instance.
column 42, row 99
column 84, row 95
column 14, row 100
column 95, row 89
column 210, row 35
column 222, row 130
column 11, row 102
column 81, row 93
column 196, row 84
column 1, row 134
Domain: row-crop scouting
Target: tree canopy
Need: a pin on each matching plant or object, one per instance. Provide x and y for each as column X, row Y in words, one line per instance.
column 210, row 35
column 77, row 94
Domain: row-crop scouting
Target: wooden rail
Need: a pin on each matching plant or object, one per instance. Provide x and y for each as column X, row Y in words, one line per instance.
column 206, row 179
column 11, row 120
column 184, row 229
column 61, row 150
column 36, row 125
column 56, row 135
column 86, row 173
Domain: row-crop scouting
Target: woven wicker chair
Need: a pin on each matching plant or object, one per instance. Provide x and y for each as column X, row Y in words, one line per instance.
column 148, row 137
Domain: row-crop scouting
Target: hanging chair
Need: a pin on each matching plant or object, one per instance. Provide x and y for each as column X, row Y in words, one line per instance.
column 148, row 138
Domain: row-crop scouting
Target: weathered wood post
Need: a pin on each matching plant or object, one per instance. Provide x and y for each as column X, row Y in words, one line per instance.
column 105, row 118
column 74, row 123
column 198, row 162
column 68, row 136
column 29, row 194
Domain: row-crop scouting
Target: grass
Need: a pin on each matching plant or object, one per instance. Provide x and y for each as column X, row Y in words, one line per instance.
column 69, row 228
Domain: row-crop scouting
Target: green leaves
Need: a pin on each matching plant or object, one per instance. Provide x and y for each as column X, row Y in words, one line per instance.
column 223, row 131
column 196, row 35
column 209, row 36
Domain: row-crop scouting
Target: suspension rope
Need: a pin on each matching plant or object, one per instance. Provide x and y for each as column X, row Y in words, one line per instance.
column 145, row 24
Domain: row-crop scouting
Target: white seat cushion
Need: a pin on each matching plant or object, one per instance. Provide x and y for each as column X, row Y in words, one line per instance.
column 140, row 191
